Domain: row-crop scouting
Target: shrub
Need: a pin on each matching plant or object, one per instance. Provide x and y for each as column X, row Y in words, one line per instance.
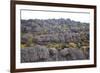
column 72, row 45
column 57, row 45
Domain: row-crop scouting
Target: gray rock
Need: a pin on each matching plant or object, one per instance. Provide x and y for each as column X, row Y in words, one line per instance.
column 42, row 51
column 76, row 54
column 38, row 53
column 53, row 54
column 43, row 54
column 72, row 54
column 64, row 52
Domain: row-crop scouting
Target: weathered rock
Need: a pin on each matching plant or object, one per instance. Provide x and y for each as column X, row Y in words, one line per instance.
column 72, row 54
column 64, row 52
column 42, row 51
column 53, row 54
column 41, row 54
column 38, row 53
column 76, row 54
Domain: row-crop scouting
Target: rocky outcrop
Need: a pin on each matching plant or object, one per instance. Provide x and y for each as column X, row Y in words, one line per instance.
column 42, row 54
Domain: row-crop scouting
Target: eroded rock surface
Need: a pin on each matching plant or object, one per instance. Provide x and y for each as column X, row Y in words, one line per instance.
column 42, row 54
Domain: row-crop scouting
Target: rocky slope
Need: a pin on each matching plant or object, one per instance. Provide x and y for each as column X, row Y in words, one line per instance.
column 54, row 40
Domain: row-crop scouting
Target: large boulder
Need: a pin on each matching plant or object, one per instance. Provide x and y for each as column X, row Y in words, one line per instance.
column 72, row 54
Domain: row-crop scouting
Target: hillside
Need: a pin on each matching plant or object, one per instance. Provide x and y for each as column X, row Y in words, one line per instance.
column 55, row 33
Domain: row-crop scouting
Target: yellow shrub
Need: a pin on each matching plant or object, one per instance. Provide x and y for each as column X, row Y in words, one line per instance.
column 56, row 45
column 72, row 45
